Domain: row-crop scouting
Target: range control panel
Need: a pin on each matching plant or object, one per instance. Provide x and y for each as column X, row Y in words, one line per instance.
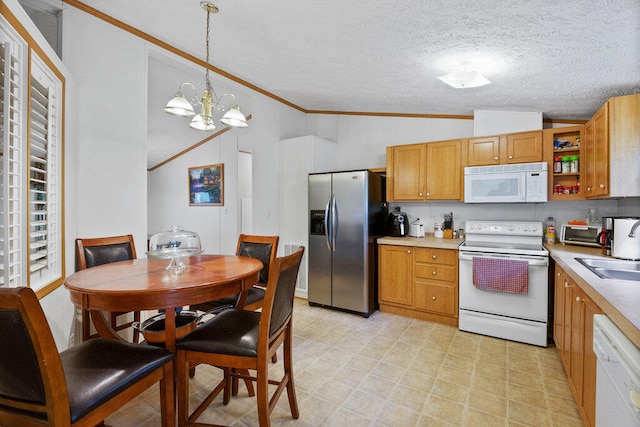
column 509, row 228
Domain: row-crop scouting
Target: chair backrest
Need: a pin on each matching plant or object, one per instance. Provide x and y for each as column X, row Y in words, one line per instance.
column 104, row 250
column 278, row 300
column 31, row 374
column 263, row 248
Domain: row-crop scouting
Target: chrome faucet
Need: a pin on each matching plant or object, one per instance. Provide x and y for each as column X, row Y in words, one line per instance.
column 634, row 227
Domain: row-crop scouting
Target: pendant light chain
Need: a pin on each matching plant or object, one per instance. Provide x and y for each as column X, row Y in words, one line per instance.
column 207, row 82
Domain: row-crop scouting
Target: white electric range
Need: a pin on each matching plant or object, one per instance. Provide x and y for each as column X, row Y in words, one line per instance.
column 520, row 316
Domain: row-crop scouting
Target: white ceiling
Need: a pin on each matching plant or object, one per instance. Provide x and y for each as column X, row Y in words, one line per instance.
column 562, row 57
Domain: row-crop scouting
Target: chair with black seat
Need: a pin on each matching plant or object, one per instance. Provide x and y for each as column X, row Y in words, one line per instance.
column 81, row 386
column 263, row 248
column 92, row 252
column 240, row 340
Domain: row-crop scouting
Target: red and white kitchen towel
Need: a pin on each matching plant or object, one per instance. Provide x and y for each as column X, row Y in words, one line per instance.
column 501, row 275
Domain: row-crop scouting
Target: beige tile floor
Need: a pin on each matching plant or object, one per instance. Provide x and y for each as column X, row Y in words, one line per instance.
column 389, row 370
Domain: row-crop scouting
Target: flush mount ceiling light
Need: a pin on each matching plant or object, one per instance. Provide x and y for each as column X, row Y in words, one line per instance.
column 465, row 78
column 180, row 106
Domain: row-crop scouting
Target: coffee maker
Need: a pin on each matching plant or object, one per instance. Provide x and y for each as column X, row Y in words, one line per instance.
column 606, row 235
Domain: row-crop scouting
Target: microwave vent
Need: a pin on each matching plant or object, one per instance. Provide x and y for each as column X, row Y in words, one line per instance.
column 517, row 167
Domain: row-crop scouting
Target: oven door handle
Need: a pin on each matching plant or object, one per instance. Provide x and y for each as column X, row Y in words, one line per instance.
column 533, row 261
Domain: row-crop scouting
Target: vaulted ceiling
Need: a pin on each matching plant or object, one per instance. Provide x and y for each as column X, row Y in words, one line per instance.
column 563, row 58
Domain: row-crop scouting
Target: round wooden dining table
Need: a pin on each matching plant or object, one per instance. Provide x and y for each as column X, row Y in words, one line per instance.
column 145, row 284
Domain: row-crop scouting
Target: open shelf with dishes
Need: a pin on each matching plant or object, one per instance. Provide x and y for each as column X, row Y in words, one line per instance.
column 564, row 156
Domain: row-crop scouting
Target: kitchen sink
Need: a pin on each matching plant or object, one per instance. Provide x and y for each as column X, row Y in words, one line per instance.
column 612, row 268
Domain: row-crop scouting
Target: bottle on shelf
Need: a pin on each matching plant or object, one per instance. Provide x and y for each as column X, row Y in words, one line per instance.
column 550, row 230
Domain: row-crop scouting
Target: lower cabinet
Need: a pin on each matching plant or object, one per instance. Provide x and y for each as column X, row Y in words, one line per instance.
column 419, row 282
column 573, row 335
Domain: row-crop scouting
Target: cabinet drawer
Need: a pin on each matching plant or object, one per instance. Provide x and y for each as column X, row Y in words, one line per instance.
column 439, row 298
column 436, row 272
column 436, row 256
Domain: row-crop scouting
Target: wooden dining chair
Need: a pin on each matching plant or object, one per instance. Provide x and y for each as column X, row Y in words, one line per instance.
column 81, row 386
column 91, row 252
column 239, row 340
column 263, row 248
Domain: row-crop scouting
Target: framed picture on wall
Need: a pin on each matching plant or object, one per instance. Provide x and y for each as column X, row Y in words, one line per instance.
column 206, row 185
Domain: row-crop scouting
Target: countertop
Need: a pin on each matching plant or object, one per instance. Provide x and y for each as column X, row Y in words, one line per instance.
column 619, row 299
column 425, row 242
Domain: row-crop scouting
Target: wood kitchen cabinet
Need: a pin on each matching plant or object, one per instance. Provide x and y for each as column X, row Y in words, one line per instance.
column 427, row 171
column 596, row 178
column 419, row 282
column 396, row 273
column 567, row 183
column 573, row 335
column 484, row 151
column 406, row 172
column 611, row 151
column 522, row 147
column 443, row 170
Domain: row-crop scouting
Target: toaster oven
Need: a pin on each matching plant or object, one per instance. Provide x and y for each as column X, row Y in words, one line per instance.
column 586, row 235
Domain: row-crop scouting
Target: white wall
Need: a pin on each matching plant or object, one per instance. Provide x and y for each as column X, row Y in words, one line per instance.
column 109, row 67
column 362, row 140
column 219, row 226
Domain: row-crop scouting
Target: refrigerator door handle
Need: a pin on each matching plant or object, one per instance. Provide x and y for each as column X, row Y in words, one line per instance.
column 334, row 223
column 327, row 228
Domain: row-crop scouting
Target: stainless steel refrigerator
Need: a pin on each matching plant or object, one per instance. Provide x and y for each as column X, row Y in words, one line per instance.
column 347, row 212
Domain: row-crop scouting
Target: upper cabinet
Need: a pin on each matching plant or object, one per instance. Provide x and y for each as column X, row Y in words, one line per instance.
column 566, row 162
column 522, row 147
column 406, row 172
column 443, row 170
column 428, row 171
column 612, row 149
column 484, row 151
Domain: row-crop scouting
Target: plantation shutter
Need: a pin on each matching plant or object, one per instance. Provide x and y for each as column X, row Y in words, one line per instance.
column 44, row 175
column 12, row 53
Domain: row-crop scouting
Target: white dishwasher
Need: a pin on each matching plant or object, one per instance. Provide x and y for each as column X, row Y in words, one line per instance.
column 617, row 376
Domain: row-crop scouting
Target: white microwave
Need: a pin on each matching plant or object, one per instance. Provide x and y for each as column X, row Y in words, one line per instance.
column 515, row 183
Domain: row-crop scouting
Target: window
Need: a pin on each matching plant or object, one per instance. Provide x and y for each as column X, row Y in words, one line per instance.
column 30, row 166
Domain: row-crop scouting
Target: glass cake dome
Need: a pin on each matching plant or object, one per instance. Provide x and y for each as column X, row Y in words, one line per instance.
column 174, row 244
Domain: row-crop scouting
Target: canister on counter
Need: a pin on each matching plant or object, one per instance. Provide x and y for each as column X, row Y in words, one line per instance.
column 437, row 230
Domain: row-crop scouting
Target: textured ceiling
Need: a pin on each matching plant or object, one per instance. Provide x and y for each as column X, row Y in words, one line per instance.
column 564, row 58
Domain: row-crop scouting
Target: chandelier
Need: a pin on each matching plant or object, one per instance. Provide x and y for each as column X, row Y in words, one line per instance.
column 209, row 100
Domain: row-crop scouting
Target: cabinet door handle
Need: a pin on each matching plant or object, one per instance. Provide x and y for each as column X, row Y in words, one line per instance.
column 420, row 194
column 433, row 298
column 588, row 188
column 558, row 274
column 601, row 185
column 433, row 256
column 495, row 158
column 510, row 157
column 428, row 194
column 409, row 251
column 434, row 273
column 578, row 299
column 566, row 285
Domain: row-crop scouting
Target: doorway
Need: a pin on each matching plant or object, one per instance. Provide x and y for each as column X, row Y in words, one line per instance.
column 245, row 191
